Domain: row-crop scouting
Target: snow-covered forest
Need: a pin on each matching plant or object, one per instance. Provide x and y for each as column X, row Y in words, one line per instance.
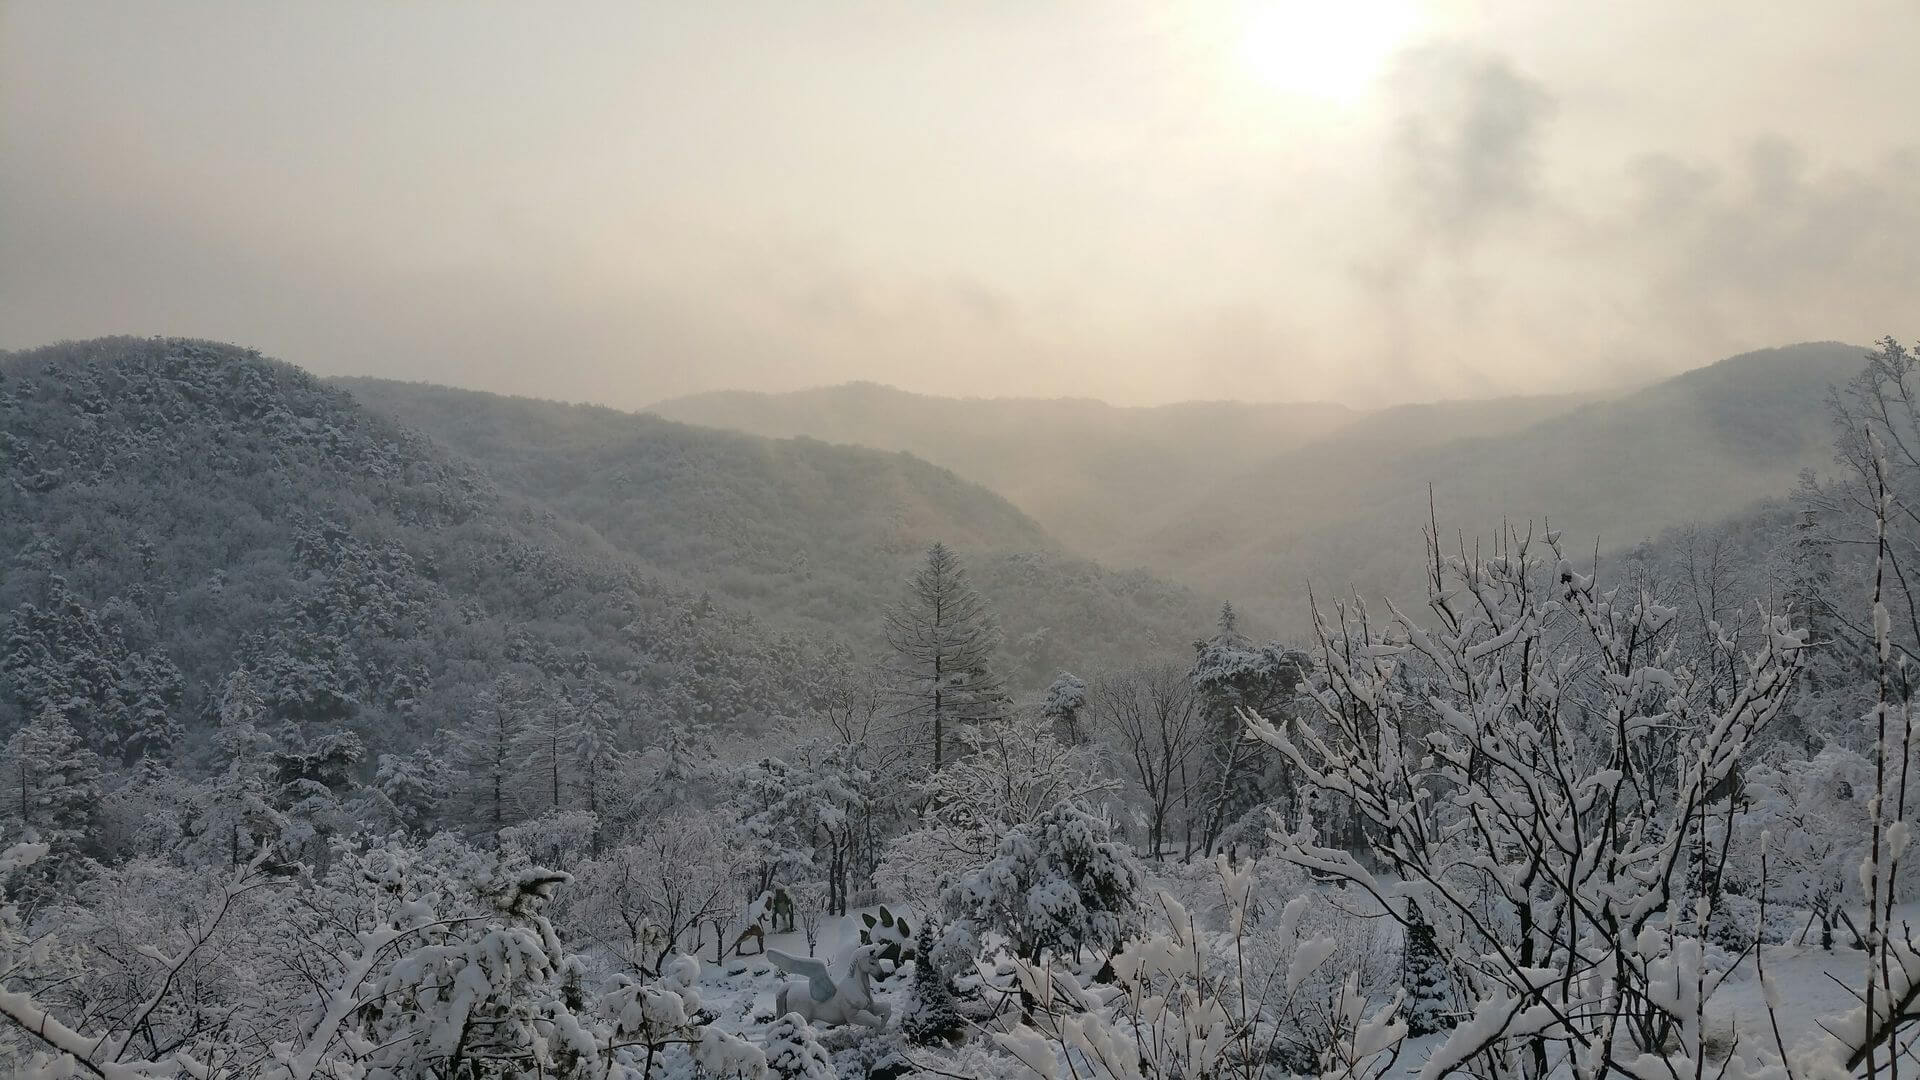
column 338, row 745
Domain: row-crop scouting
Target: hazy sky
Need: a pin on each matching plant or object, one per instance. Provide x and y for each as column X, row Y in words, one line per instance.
column 1368, row 200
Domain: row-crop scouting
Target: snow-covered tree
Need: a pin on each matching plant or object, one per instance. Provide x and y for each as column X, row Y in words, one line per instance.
column 1578, row 799
column 547, row 745
column 1056, row 884
column 649, row 899
column 1006, row 774
column 664, row 1012
column 413, row 786
column 63, row 655
column 52, row 783
column 598, row 765
column 317, row 787
column 1066, row 697
column 476, row 998
column 944, row 642
column 932, row 1018
column 487, row 753
column 813, row 818
column 1430, row 1004
column 242, row 816
column 1155, row 721
column 1185, row 1001
column 1230, row 673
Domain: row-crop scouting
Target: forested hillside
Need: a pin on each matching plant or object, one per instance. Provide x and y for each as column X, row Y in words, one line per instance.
column 178, row 511
column 1088, row 471
column 809, row 534
column 1698, row 447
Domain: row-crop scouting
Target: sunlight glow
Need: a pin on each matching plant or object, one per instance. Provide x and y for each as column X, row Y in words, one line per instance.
column 1326, row 49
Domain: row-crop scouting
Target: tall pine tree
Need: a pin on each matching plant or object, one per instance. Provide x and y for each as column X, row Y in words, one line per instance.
column 242, row 817
column 1429, row 987
column 53, row 782
column 944, row 640
column 487, row 751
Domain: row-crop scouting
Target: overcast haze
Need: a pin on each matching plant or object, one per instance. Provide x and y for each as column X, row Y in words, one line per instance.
column 1135, row 201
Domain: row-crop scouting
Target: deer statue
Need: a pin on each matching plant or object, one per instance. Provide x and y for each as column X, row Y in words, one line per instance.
column 753, row 927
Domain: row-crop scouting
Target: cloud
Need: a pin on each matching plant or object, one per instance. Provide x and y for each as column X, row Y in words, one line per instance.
column 955, row 201
column 1467, row 139
column 1758, row 247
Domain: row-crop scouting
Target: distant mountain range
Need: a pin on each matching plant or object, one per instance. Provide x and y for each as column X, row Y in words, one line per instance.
column 1253, row 502
column 1090, row 472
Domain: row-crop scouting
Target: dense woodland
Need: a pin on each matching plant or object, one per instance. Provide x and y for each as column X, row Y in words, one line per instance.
column 370, row 730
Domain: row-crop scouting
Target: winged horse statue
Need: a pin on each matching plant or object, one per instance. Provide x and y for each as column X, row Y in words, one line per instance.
column 824, row 999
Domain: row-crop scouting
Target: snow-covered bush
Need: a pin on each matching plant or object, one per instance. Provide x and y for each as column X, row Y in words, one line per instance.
column 561, row 838
column 1058, row 884
column 1184, row 1002
column 793, row 1052
column 1007, row 773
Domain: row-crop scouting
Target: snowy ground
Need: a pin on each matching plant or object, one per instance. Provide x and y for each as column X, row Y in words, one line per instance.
column 1804, row 975
column 741, row 991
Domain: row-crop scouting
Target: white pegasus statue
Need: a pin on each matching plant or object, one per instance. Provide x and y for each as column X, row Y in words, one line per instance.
column 825, row 999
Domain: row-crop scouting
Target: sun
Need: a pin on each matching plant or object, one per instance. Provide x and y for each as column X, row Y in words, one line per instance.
column 1326, row 49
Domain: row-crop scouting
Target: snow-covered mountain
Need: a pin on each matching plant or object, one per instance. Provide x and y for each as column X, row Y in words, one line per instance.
column 1253, row 502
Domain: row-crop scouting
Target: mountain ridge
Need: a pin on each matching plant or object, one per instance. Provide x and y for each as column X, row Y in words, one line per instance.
column 811, row 535
column 1705, row 442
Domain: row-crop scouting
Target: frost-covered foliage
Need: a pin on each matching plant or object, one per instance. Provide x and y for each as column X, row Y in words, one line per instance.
column 794, row 1053
column 1184, row 1001
column 1005, row 774
column 401, row 962
column 1058, row 884
column 1537, row 775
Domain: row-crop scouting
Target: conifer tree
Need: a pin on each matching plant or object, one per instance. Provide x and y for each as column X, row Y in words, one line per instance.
column 944, row 639
column 545, row 744
column 487, row 751
column 934, row 1018
column 413, row 785
column 53, row 781
column 597, row 762
column 1429, row 1008
column 242, row 816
